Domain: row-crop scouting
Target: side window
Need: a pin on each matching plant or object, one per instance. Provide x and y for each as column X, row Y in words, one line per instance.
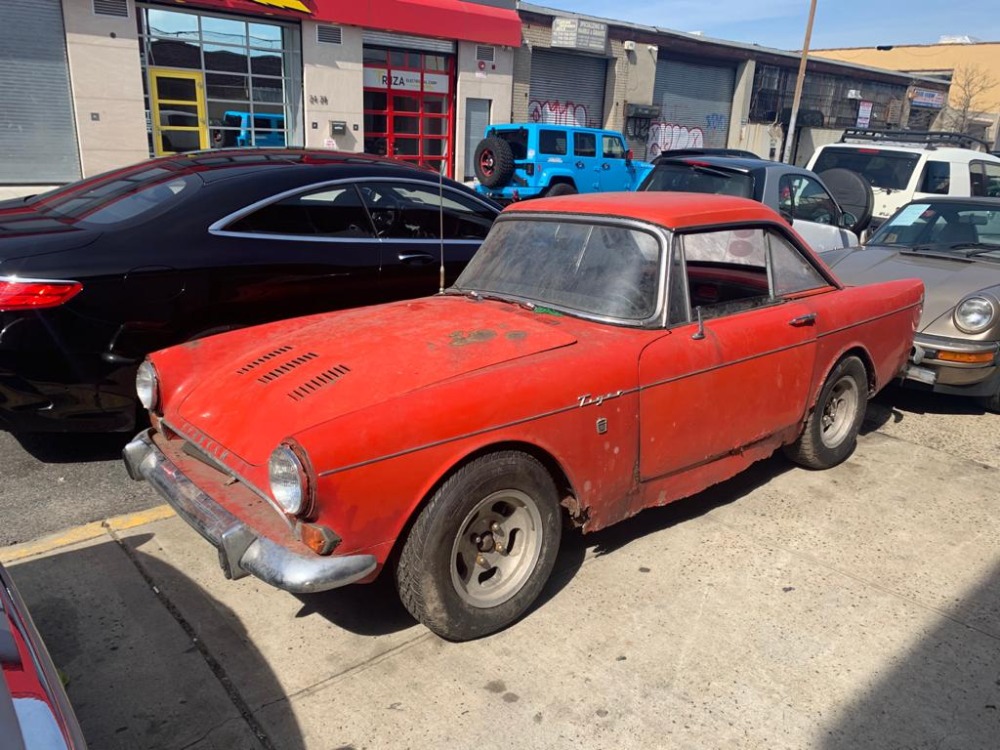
column 329, row 212
column 977, row 177
column 992, row 182
column 728, row 271
column 408, row 211
column 552, row 142
column 786, row 192
column 936, row 178
column 584, row 144
column 613, row 148
column 812, row 202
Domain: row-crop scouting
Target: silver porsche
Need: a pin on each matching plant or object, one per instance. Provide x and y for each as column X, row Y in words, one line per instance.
column 953, row 245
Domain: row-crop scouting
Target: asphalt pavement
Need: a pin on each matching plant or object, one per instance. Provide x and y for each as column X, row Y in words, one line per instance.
column 853, row 608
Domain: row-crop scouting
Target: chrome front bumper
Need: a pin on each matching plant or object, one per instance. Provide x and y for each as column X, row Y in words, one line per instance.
column 948, row 376
column 241, row 549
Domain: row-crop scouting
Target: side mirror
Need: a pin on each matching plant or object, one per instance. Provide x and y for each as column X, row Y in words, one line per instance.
column 848, row 220
column 786, row 215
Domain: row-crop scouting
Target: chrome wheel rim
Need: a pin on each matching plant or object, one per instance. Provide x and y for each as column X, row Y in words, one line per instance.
column 496, row 549
column 839, row 412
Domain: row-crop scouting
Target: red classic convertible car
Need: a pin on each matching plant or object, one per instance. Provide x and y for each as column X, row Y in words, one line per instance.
column 599, row 355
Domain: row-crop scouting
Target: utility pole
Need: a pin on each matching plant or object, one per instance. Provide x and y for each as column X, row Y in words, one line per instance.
column 790, row 136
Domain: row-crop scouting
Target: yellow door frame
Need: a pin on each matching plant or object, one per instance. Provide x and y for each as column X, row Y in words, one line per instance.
column 155, row 102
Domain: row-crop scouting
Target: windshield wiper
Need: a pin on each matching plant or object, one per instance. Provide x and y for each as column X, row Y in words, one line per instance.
column 977, row 248
column 477, row 295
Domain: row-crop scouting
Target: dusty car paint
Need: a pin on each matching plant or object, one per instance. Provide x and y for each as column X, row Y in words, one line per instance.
column 623, row 417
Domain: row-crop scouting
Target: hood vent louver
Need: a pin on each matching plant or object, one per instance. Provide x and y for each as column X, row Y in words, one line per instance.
column 263, row 360
column 286, row 367
column 322, row 380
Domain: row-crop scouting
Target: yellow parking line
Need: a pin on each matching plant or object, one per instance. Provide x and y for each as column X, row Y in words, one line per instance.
column 83, row 533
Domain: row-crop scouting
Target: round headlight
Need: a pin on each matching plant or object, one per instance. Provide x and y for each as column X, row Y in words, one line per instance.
column 975, row 314
column 147, row 386
column 288, row 479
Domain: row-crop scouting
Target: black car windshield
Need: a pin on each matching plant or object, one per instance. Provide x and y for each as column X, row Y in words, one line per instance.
column 594, row 269
column 962, row 228
column 698, row 178
column 883, row 168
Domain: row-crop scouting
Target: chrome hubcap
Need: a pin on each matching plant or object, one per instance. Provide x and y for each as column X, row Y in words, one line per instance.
column 496, row 549
column 838, row 412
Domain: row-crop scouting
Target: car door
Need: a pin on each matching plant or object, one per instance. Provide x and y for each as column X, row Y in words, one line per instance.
column 815, row 214
column 587, row 165
column 614, row 174
column 738, row 364
column 415, row 222
column 299, row 253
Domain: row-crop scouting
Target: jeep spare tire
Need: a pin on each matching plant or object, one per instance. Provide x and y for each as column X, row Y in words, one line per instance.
column 854, row 194
column 494, row 161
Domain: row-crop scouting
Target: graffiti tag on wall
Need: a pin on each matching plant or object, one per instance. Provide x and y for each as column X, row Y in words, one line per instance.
column 552, row 112
column 668, row 135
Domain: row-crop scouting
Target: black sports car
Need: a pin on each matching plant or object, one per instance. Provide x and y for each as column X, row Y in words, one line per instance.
column 95, row 275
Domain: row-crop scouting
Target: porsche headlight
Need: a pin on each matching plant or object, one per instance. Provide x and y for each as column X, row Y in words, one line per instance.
column 147, row 386
column 289, row 482
column 975, row 314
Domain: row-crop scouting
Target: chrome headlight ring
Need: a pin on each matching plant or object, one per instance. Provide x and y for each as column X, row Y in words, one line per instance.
column 975, row 313
column 147, row 386
column 289, row 480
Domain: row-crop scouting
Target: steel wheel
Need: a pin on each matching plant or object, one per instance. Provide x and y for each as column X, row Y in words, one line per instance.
column 839, row 411
column 496, row 549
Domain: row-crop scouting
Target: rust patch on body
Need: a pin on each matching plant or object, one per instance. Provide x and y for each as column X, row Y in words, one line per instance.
column 516, row 335
column 461, row 338
column 578, row 515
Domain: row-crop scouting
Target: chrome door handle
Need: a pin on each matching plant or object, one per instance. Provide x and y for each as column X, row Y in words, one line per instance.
column 803, row 320
column 416, row 258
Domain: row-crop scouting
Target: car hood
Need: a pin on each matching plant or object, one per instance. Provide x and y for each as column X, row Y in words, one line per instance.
column 946, row 280
column 267, row 383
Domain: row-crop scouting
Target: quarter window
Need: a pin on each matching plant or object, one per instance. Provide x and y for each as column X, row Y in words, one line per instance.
column 329, row 212
column 985, row 178
column 552, row 142
column 584, row 144
column 936, row 178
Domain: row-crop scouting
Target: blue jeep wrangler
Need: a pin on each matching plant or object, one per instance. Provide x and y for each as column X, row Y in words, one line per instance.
column 530, row 160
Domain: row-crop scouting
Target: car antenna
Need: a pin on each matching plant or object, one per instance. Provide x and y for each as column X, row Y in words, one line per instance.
column 441, row 225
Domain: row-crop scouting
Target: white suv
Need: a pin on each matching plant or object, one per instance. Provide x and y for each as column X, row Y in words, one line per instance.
column 904, row 165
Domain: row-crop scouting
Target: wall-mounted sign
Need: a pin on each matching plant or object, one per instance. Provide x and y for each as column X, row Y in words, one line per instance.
column 400, row 80
column 436, row 83
column 927, row 98
column 864, row 114
column 575, row 33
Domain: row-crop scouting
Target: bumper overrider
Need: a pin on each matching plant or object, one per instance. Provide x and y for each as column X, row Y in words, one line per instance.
column 956, row 366
column 243, row 550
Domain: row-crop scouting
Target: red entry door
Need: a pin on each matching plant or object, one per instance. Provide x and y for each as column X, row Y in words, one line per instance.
column 409, row 106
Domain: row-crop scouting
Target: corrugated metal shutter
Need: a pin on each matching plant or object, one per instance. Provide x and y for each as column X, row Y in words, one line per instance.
column 696, row 102
column 567, row 89
column 403, row 41
column 477, row 117
column 37, row 132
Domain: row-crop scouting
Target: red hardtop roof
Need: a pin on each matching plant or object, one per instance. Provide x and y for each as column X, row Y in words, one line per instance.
column 671, row 210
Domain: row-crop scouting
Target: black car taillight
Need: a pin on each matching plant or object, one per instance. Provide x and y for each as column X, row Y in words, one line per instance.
column 35, row 294
column 529, row 169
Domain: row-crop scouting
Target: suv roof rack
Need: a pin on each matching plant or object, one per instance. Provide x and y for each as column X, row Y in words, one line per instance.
column 929, row 138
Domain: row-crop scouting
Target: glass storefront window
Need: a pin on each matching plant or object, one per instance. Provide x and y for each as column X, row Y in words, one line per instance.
column 246, row 75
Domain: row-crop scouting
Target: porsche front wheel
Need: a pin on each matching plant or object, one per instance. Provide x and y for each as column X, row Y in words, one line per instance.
column 482, row 549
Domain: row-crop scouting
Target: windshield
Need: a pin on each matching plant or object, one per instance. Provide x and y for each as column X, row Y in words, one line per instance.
column 593, row 269
column 890, row 170
column 962, row 228
column 693, row 178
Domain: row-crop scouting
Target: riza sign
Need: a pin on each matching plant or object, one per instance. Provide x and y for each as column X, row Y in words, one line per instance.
column 575, row 33
column 405, row 80
column 927, row 98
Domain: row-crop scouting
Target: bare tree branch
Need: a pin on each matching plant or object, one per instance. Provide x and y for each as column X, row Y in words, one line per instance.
column 969, row 84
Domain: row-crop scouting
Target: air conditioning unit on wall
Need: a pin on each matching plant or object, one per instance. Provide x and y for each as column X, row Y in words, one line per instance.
column 628, row 45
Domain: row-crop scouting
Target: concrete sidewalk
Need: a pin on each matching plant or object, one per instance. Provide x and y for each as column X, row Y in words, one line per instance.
column 855, row 608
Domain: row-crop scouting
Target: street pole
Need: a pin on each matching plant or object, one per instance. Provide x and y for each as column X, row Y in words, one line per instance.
column 790, row 136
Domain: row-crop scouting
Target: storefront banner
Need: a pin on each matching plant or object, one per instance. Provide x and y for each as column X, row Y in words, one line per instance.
column 435, row 83
column 400, row 80
column 864, row 114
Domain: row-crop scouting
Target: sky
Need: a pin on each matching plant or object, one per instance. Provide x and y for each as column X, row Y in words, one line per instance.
column 782, row 23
